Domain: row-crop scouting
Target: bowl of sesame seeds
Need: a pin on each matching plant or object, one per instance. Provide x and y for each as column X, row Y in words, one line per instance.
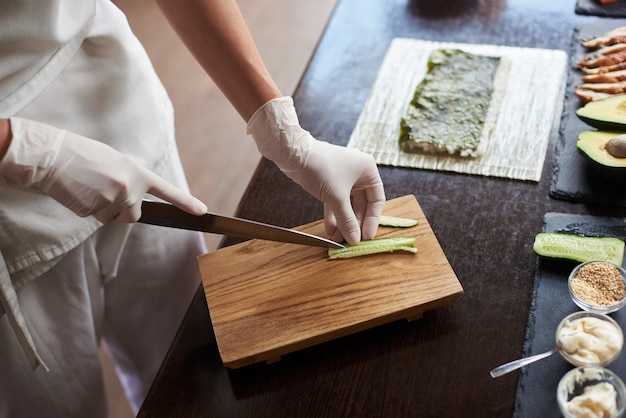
column 598, row 286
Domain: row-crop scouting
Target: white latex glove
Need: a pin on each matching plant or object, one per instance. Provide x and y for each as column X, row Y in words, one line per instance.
column 86, row 176
column 345, row 179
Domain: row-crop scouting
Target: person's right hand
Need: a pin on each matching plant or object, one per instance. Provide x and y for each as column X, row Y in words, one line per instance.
column 85, row 175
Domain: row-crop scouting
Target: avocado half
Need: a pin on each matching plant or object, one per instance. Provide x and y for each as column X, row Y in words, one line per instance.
column 607, row 114
column 591, row 144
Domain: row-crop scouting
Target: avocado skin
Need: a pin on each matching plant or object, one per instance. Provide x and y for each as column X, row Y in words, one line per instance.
column 591, row 145
column 607, row 114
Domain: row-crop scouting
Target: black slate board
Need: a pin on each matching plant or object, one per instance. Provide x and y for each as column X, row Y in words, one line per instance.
column 573, row 178
column 536, row 389
column 593, row 8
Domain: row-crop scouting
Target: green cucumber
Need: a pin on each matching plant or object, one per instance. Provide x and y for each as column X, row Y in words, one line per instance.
column 579, row 248
column 374, row 246
column 396, row 222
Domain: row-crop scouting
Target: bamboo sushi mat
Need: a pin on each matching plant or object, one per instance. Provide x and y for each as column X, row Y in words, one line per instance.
column 531, row 103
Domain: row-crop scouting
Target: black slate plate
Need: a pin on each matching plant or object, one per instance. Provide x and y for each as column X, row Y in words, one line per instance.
column 593, row 8
column 536, row 388
column 573, row 178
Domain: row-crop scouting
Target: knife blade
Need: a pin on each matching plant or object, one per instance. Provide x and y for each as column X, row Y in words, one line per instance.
column 168, row 215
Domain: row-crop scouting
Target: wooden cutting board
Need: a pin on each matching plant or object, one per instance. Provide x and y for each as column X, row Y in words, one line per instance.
column 267, row 299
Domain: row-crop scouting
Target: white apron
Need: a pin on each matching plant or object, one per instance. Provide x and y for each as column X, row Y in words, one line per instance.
column 76, row 65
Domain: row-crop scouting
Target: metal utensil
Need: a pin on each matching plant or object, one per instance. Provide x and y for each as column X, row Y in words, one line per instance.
column 165, row 214
column 516, row 364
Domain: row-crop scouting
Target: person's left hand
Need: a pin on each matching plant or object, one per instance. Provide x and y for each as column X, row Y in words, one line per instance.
column 348, row 183
column 346, row 180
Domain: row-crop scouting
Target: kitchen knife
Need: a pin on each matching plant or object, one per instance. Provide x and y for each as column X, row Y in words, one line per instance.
column 165, row 214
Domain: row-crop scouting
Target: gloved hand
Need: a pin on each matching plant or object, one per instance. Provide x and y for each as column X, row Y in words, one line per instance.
column 345, row 179
column 86, row 176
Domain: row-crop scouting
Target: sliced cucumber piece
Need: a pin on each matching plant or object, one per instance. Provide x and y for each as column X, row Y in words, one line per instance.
column 396, row 222
column 374, row 246
column 579, row 248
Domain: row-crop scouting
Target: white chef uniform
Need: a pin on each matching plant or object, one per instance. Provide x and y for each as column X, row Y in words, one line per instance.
column 67, row 281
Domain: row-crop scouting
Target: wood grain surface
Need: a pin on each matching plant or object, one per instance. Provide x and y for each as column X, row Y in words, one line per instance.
column 268, row 299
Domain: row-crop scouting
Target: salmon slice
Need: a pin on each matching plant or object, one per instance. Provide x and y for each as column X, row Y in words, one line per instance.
column 604, row 60
column 590, row 96
column 608, row 50
column 610, row 38
column 610, row 77
column 606, row 69
column 612, row 88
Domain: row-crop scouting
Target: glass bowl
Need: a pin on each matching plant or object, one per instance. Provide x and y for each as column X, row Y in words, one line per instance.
column 586, row 302
column 589, row 339
column 570, row 392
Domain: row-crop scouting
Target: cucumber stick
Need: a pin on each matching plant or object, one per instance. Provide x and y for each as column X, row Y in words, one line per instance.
column 396, row 222
column 374, row 246
column 579, row 248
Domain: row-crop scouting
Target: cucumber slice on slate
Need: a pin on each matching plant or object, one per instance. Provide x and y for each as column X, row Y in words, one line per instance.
column 579, row 248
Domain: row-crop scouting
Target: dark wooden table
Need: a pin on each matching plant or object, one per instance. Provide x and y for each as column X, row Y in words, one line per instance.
column 437, row 366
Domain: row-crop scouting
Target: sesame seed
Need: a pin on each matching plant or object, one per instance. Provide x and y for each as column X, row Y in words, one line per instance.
column 598, row 283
